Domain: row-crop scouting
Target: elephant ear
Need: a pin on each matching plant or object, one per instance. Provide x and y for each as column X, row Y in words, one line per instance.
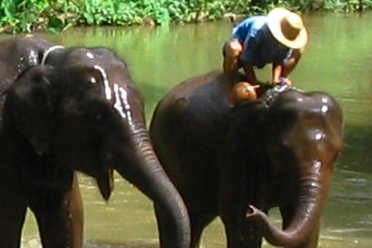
column 28, row 107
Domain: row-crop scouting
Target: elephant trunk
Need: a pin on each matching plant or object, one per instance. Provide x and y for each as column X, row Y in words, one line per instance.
column 149, row 176
column 311, row 198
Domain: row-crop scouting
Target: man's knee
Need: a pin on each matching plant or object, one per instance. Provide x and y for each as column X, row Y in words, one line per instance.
column 290, row 63
column 296, row 56
column 233, row 49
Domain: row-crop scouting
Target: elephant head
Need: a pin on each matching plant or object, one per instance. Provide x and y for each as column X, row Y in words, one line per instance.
column 82, row 109
column 302, row 136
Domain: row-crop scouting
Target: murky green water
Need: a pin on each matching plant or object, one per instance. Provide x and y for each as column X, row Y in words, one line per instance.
column 338, row 61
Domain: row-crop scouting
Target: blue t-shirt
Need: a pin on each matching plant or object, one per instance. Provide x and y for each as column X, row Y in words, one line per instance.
column 260, row 47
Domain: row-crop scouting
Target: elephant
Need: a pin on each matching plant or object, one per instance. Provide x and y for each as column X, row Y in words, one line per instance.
column 78, row 110
column 17, row 54
column 239, row 162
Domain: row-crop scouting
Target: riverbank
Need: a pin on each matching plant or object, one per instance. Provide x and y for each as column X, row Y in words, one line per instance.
column 58, row 15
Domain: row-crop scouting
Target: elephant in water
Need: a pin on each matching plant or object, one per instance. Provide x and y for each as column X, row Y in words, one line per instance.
column 17, row 54
column 78, row 110
column 238, row 163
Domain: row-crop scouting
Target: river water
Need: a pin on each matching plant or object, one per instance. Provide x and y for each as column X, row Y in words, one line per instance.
column 337, row 60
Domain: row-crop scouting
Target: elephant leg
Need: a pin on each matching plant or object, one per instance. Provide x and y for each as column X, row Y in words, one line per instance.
column 165, row 226
column 312, row 239
column 198, row 223
column 12, row 212
column 59, row 214
column 241, row 232
column 234, row 198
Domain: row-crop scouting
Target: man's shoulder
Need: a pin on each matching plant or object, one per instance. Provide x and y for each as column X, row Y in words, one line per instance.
column 250, row 26
column 253, row 22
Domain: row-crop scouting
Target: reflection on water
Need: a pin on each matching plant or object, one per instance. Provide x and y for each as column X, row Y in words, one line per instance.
column 337, row 61
column 348, row 217
column 128, row 220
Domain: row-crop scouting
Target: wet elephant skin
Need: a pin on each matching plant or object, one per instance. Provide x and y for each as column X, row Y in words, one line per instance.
column 238, row 163
column 26, row 179
column 17, row 54
column 79, row 111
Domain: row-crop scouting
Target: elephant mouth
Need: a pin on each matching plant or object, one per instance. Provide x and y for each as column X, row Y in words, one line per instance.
column 249, row 211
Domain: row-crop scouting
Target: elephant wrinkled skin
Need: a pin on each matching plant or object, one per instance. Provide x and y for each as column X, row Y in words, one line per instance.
column 78, row 111
column 238, row 163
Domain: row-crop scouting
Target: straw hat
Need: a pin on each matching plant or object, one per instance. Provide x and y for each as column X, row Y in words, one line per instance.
column 287, row 28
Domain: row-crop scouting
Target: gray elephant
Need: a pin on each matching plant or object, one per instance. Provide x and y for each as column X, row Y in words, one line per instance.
column 79, row 110
column 276, row 151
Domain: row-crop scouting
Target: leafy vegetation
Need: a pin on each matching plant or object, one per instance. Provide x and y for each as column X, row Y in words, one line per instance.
column 57, row 15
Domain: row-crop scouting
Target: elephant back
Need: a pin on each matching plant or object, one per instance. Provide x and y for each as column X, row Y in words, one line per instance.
column 200, row 100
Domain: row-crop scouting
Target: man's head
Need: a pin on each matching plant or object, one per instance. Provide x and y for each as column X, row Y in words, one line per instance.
column 244, row 91
column 287, row 28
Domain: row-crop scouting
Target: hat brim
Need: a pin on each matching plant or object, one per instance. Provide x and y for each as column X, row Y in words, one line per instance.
column 274, row 20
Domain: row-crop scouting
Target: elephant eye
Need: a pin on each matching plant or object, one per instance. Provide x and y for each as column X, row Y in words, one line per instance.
column 93, row 80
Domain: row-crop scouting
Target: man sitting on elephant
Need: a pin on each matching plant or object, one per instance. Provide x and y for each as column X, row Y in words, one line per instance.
column 278, row 38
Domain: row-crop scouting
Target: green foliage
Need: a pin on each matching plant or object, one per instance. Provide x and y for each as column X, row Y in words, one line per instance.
column 29, row 15
column 57, row 15
column 348, row 5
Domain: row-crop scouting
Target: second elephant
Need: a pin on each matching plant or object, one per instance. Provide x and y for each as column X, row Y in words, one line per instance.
column 239, row 163
column 17, row 54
